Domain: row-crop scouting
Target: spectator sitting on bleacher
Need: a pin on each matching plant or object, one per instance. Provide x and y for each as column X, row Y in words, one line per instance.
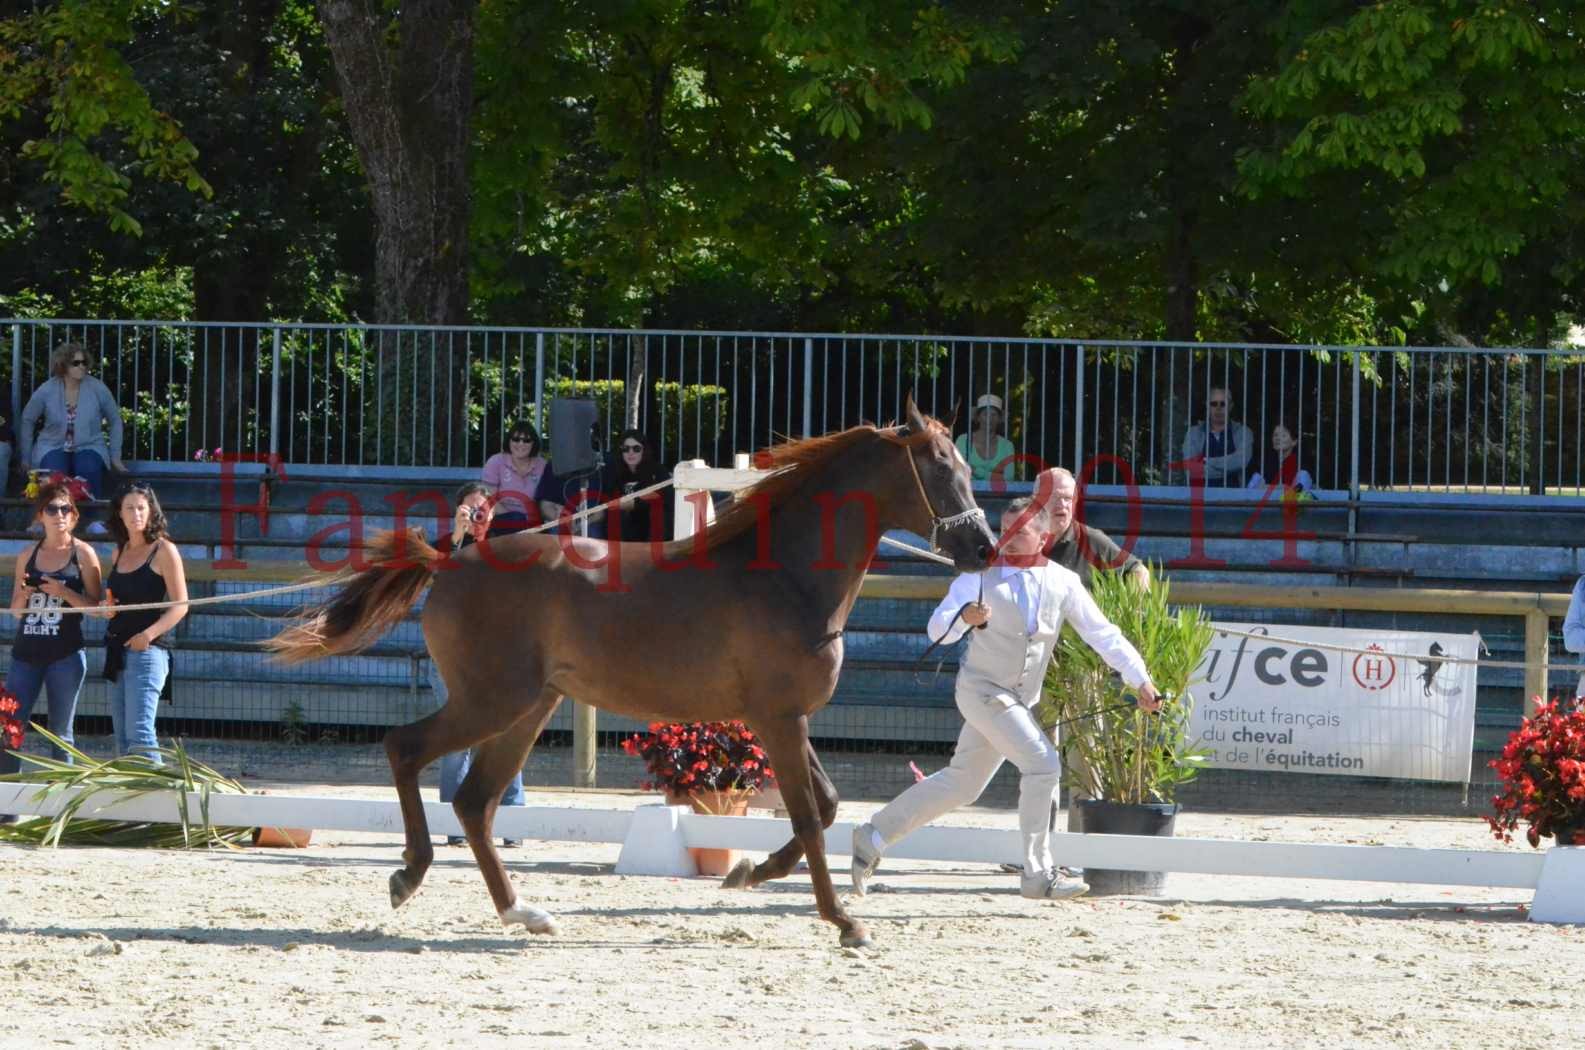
column 7, row 441
column 1574, row 628
column 74, row 409
column 988, row 453
column 634, row 467
column 1223, row 448
column 469, row 524
column 1280, row 465
column 522, row 479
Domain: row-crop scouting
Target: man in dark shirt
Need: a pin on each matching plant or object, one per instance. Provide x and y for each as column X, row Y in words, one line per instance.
column 1077, row 546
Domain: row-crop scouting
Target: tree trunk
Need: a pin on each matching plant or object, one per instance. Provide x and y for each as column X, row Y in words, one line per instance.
column 406, row 80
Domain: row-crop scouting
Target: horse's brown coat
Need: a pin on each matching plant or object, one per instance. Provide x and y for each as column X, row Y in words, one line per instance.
column 743, row 622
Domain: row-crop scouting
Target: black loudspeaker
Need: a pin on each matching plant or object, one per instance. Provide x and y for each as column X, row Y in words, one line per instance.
column 574, row 446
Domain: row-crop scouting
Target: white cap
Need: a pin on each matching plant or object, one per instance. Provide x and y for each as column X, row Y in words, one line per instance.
column 988, row 401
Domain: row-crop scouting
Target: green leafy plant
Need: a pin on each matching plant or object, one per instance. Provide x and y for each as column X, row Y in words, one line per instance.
column 294, row 723
column 83, row 778
column 1117, row 752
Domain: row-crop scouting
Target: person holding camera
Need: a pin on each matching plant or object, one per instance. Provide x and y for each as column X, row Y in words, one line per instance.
column 470, row 524
column 58, row 571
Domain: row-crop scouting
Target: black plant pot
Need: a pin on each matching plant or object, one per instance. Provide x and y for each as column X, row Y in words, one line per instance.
column 1126, row 818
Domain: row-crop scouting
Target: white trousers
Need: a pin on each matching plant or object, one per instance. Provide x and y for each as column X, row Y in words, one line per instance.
column 993, row 732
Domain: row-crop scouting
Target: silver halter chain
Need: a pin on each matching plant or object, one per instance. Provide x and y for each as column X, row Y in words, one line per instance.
column 938, row 525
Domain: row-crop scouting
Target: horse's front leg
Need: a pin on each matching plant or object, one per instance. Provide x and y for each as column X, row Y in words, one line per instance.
column 745, row 875
column 787, row 740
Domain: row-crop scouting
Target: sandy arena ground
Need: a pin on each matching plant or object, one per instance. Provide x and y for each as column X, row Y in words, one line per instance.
column 299, row 948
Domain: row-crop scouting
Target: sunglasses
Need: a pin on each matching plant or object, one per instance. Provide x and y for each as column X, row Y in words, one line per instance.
column 523, row 438
column 632, row 448
column 1217, row 404
column 79, row 362
column 62, row 509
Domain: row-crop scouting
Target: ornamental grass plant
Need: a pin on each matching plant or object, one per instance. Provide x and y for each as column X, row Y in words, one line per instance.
column 1116, row 752
column 1542, row 773
column 84, row 778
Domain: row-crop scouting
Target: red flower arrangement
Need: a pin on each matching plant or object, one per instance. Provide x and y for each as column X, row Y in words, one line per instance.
column 78, row 487
column 11, row 728
column 701, row 756
column 1542, row 770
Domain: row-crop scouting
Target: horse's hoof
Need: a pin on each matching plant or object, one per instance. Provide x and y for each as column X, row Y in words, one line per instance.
column 401, row 891
column 857, row 937
column 740, row 877
column 533, row 919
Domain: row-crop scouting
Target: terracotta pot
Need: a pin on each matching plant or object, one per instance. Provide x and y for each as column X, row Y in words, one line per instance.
column 716, row 804
column 295, row 838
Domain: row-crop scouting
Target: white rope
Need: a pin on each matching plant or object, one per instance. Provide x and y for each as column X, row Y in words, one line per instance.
column 305, row 585
column 1422, row 657
column 216, row 599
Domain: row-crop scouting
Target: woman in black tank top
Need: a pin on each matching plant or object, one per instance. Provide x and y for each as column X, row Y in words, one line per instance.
column 58, row 572
column 147, row 568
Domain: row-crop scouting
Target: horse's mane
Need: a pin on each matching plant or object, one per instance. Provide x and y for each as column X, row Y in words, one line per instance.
column 793, row 462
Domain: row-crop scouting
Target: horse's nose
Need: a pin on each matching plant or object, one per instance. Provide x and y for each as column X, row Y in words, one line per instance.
column 983, row 553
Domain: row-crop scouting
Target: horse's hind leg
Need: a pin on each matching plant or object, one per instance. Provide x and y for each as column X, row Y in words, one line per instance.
column 495, row 762
column 745, row 875
column 787, row 740
column 409, row 749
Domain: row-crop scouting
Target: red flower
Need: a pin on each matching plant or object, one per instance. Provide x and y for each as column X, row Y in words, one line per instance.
column 700, row 756
column 1542, row 773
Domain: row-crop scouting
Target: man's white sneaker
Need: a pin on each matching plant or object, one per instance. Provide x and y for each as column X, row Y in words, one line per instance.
column 865, row 857
column 1053, row 886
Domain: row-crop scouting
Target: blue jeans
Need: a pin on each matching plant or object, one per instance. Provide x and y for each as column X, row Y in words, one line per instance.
column 83, row 463
column 134, row 696
column 454, row 767
column 64, row 681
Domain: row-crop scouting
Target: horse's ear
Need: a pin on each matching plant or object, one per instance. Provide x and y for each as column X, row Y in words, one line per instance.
column 952, row 424
column 915, row 418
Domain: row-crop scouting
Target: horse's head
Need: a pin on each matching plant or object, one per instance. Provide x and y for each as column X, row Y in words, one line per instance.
column 945, row 512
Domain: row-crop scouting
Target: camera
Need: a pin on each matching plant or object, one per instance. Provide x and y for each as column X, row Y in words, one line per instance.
column 34, row 580
column 478, row 514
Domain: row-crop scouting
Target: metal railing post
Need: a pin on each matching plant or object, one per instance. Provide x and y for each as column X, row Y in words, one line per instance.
column 16, row 374
column 275, row 395
column 1353, row 465
column 539, row 381
column 1078, row 411
column 584, row 718
column 809, row 382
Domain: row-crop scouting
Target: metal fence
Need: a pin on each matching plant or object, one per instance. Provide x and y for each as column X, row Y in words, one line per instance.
column 1449, row 420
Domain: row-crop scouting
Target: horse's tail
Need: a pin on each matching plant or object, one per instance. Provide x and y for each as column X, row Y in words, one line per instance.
column 371, row 603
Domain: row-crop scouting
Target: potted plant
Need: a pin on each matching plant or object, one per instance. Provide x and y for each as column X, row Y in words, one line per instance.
column 1125, row 765
column 1542, row 773
column 715, row 767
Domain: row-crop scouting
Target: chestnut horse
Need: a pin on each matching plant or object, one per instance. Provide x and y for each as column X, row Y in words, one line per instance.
column 741, row 621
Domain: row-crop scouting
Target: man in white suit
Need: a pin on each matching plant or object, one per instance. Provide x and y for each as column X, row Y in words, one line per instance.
column 1027, row 600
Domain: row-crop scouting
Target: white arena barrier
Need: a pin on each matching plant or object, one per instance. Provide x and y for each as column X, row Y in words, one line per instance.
column 655, row 839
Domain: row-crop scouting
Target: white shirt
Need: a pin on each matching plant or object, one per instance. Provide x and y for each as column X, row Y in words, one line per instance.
column 1055, row 596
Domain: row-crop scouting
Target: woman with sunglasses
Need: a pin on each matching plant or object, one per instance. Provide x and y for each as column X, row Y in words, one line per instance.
column 519, row 475
column 635, row 467
column 59, row 570
column 77, row 421
column 147, row 569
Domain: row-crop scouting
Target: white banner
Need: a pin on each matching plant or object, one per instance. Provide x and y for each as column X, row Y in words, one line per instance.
column 1278, row 707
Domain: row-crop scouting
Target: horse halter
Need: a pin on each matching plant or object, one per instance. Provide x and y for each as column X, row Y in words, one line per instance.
column 939, row 524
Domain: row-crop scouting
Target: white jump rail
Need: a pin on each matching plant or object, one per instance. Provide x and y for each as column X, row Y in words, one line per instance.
column 655, row 839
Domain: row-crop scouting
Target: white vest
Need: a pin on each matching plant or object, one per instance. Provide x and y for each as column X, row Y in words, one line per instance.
column 1004, row 662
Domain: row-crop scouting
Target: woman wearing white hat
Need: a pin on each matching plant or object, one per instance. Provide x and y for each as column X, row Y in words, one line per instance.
column 983, row 446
